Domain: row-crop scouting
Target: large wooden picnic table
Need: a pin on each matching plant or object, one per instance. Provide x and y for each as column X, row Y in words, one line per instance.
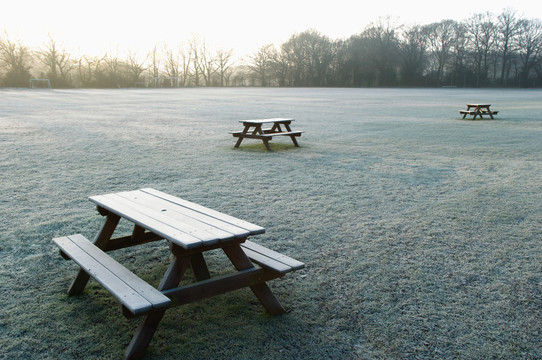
column 253, row 129
column 190, row 230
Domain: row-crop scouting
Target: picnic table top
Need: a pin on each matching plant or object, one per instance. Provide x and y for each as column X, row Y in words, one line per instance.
column 264, row 121
column 180, row 221
column 478, row 105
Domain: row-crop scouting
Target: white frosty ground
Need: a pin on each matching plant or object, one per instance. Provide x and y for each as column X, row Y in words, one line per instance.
column 421, row 231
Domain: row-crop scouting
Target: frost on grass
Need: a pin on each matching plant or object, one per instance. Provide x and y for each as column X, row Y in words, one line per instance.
column 421, row 232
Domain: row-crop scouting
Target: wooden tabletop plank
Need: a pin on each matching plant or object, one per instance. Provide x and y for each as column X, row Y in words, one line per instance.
column 185, row 219
column 251, row 228
column 265, row 121
column 123, row 208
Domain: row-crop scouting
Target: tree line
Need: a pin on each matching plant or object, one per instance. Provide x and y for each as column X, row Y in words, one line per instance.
column 485, row 50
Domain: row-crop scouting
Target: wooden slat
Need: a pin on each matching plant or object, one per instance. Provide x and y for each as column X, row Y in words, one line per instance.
column 118, row 280
column 186, row 216
column 123, row 208
column 286, row 133
column 220, row 285
column 162, row 218
column 265, row 252
column 155, row 297
column 265, row 121
column 252, row 228
column 268, row 262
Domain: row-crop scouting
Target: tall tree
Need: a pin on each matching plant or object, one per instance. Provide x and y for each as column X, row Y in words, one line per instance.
column 482, row 39
column 529, row 43
column 261, row 64
column 382, row 46
column 196, row 49
column 440, row 37
column 508, row 27
column 57, row 62
column 14, row 58
column 414, row 55
column 88, row 69
column 224, row 65
column 311, row 54
column 209, row 64
column 136, row 67
column 155, row 62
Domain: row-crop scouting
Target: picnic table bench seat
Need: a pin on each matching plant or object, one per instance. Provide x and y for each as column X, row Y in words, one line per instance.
column 472, row 112
column 131, row 291
column 270, row 259
column 268, row 135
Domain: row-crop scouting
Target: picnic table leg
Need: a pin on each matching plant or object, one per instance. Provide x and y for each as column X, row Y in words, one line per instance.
column 266, row 143
column 199, row 267
column 240, row 139
column 78, row 284
column 294, row 140
column 241, row 262
column 146, row 330
column 259, row 131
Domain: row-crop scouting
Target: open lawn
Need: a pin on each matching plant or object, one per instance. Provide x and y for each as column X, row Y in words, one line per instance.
column 422, row 232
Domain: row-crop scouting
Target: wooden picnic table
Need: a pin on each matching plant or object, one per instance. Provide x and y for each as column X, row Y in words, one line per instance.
column 478, row 110
column 190, row 230
column 253, row 129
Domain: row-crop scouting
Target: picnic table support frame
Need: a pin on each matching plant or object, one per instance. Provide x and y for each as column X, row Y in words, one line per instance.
column 204, row 287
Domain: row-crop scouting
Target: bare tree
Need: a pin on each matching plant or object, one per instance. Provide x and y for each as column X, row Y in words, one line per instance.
column 154, row 68
column 508, row 27
column 57, row 62
column 196, row 57
column 113, row 67
column 14, row 57
column 136, row 66
column 482, row 39
column 282, row 67
column 414, row 55
column 311, row 55
column 261, row 63
column 172, row 62
column 88, row 69
column 440, row 37
column 529, row 43
column 224, row 64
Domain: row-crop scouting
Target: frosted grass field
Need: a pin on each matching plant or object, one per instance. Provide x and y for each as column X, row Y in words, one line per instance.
column 421, row 231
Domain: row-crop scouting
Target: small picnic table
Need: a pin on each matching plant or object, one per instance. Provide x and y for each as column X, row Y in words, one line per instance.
column 190, row 230
column 478, row 110
column 253, row 129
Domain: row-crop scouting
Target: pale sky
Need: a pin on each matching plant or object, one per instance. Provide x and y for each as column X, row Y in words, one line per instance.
column 98, row 26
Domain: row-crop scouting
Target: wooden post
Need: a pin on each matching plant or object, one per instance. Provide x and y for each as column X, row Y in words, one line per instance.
column 146, row 330
column 241, row 262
